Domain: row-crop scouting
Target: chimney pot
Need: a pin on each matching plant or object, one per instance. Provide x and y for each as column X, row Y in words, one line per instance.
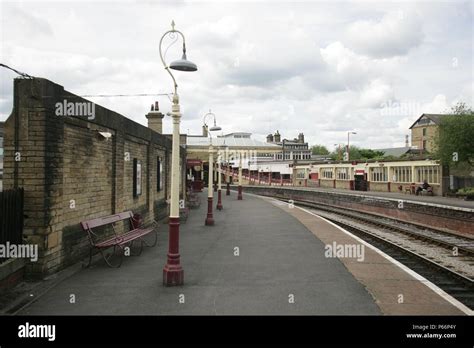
column 155, row 119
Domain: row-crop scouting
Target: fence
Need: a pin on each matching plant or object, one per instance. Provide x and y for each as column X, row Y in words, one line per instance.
column 457, row 182
column 11, row 217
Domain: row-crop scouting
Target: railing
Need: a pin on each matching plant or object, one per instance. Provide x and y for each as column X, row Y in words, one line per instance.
column 11, row 217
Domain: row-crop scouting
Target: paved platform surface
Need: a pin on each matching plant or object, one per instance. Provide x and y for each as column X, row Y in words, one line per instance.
column 396, row 290
column 439, row 200
column 279, row 257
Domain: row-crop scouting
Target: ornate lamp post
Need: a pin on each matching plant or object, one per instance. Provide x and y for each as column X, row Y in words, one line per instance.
column 227, row 169
column 173, row 273
column 210, row 195
column 219, row 180
column 239, row 188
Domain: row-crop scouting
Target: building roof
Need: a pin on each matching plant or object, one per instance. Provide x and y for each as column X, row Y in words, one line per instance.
column 436, row 118
column 395, row 151
column 238, row 134
column 229, row 141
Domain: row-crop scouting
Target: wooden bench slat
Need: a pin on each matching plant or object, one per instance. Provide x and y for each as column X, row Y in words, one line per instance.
column 106, row 220
column 124, row 238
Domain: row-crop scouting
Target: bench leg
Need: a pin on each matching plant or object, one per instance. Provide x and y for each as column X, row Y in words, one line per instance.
column 141, row 247
column 90, row 259
column 155, row 240
column 107, row 258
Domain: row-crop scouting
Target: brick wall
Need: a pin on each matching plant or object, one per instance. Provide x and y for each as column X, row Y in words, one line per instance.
column 71, row 173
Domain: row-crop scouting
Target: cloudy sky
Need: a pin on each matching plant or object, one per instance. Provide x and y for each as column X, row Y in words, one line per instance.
column 318, row 67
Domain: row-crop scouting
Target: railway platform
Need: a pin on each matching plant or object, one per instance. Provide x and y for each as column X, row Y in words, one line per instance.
column 262, row 257
column 428, row 200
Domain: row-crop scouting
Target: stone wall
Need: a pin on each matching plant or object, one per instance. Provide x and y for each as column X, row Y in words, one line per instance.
column 71, row 173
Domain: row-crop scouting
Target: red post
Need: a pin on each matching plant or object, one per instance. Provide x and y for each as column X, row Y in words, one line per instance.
column 210, row 218
column 219, row 200
column 239, row 195
column 173, row 273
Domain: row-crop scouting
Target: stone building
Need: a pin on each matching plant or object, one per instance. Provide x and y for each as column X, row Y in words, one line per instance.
column 227, row 148
column 76, row 166
column 295, row 149
column 424, row 130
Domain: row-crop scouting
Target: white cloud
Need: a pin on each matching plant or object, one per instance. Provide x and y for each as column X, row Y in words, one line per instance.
column 438, row 105
column 393, row 35
column 375, row 93
column 313, row 67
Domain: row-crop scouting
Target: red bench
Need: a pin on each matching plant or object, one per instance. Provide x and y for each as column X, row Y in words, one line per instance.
column 137, row 233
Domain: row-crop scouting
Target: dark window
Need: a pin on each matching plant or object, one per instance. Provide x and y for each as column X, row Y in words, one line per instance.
column 424, row 131
column 137, row 178
column 159, row 176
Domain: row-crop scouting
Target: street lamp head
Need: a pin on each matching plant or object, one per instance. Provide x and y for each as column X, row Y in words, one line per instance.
column 183, row 64
column 215, row 127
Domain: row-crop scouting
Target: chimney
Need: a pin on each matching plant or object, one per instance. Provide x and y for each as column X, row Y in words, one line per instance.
column 407, row 142
column 277, row 137
column 155, row 118
column 269, row 138
column 301, row 138
column 204, row 131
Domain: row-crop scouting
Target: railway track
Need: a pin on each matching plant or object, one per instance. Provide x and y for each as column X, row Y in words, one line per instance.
column 445, row 259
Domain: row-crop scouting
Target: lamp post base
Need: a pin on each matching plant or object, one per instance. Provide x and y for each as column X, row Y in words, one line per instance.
column 173, row 273
column 219, row 199
column 209, row 219
column 239, row 195
column 227, row 191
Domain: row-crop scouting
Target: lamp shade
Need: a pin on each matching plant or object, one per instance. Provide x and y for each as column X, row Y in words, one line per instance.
column 183, row 64
column 215, row 128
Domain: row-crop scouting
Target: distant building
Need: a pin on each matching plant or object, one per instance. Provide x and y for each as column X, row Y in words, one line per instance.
column 230, row 146
column 424, row 130
column 296, row 149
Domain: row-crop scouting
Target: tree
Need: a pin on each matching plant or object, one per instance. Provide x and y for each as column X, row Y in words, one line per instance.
column 454, row 143
column 371, row 154
column 319, row 150
column 358, row 154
